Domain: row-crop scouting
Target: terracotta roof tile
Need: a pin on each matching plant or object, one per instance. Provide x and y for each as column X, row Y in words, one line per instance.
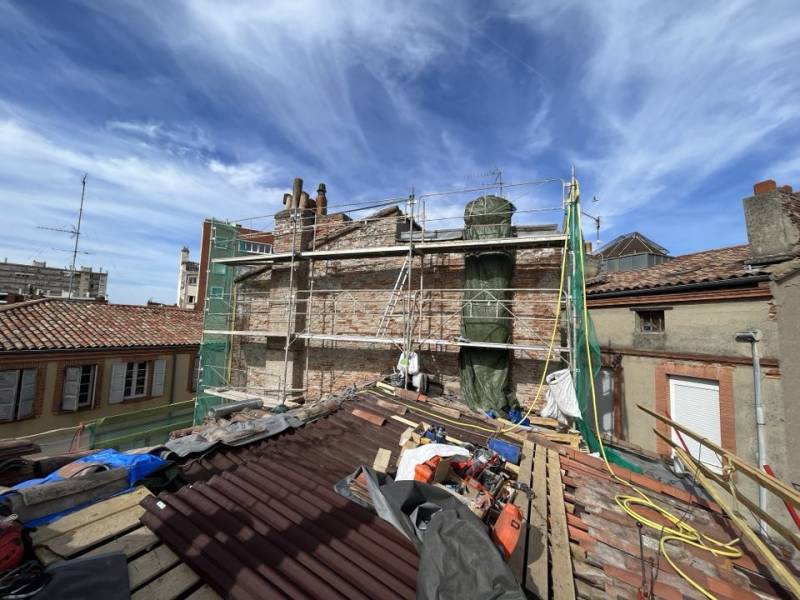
column 711, row 265
column 56, row 324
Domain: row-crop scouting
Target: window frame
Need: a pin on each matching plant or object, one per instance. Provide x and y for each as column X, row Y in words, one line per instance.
column 651, row 315
column 134, row 379
column 17, row 400
column 94, row 378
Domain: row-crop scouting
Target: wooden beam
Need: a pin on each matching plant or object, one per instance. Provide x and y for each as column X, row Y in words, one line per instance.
column 517, row 561
column 789, row 535
column 536, row 579
column 776, row 567
column 776, row 486
column 561, row 560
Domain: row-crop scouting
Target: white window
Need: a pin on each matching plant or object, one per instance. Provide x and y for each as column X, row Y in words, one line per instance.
column 138, row 379
column 191, row 300
column 17, row 393
column 694, row 403
column 192, row 280
column 79, row 387
column 135, row 379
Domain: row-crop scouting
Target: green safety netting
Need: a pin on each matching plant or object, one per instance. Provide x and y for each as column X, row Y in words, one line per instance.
column 217, row 316
column 583, row 357
column 485, row 315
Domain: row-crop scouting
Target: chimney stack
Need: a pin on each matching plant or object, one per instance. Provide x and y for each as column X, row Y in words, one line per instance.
column 322, row 200
column 772, row 216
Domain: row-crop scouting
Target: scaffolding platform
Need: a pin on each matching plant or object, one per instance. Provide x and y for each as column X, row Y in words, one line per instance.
column 446, row 247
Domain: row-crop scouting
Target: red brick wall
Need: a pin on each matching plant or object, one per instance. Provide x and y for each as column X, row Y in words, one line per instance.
column 360, row 290
column 719, row 373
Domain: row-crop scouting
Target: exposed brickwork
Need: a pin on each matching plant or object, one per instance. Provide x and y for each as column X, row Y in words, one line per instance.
column 719, row 373
column 350, row 296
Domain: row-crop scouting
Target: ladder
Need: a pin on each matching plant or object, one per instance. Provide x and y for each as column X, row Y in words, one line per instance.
column 402, row 277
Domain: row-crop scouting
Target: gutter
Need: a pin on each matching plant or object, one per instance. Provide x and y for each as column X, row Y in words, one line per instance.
column 702, row 285
column 103, row 349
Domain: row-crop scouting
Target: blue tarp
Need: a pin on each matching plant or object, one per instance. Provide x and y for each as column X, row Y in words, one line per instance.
column 139, row 466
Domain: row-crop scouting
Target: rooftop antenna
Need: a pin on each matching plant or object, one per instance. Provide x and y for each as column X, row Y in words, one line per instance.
column 74, row 232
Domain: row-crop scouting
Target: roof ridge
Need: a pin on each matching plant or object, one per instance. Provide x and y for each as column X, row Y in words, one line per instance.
column 705, row 252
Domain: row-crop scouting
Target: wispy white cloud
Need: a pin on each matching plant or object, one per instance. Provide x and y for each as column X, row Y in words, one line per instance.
column 142, row 202
column 670, row 94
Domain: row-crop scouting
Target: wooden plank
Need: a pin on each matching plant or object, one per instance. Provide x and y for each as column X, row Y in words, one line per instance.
column 776, row 486
column 776, row 567
column 536, row 579
column 392, row 406
column 88, row 515
column 789, row 536
column 168, row 586
column 382, row 459
column 517, row 560
column 405, row 421
column 73, row 542
column 129, row 544
column 150, row 565
column 561, row 561
column 203, row 593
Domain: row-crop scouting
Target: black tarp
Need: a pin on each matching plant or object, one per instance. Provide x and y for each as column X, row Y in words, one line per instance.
column 486, row 316
column 457, row 557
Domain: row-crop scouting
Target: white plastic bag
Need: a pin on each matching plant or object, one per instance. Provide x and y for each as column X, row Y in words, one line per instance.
column 561, row 399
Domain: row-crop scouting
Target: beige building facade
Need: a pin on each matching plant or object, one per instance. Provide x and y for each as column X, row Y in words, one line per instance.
column 668, row 336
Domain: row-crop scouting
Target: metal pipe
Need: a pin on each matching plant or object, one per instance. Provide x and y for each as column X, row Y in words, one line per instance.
column 227, row 409
column 753, row 337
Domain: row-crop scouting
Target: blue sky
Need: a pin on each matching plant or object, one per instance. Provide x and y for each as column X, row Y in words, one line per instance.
column 183, row 110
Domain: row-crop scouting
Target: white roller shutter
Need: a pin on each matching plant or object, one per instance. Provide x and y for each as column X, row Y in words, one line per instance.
column 695, row 404
column 27, row 393
column 72, row 384
column 159, row 369
column 8, row 394
column 116, row 393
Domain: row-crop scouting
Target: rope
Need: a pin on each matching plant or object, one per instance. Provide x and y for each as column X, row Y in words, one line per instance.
column 677, row 530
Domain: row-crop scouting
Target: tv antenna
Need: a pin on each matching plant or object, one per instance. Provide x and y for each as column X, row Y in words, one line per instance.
column 74, row 231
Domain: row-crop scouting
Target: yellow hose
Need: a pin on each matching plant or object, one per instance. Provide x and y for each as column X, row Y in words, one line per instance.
column 679, row 531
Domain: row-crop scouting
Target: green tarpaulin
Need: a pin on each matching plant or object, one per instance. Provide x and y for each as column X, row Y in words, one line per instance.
column 485, row 316
column 586, row 357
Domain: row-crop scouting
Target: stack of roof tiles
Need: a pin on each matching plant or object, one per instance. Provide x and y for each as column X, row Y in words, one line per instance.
column 56, row 324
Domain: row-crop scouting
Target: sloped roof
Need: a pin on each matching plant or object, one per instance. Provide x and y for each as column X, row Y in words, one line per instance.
column 59, row 324
column 711, row 265
column 630, row 243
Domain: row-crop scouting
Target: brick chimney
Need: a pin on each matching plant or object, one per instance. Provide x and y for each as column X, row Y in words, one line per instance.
column 772, row 215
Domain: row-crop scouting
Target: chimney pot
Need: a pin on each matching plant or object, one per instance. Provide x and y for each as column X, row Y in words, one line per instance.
column 322, row 200
column 297, row 189
column 764, row 187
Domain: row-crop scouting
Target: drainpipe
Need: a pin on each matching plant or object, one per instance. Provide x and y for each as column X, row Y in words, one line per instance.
column 753, row 337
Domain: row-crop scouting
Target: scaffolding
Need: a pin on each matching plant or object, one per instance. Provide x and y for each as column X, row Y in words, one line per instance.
column 409, row 315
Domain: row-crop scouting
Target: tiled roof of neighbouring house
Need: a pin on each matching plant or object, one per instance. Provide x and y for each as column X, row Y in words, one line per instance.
column 57, row 324
column 711, row 265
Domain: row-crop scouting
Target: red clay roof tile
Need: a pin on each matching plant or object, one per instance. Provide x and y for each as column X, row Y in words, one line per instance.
column 56, row 324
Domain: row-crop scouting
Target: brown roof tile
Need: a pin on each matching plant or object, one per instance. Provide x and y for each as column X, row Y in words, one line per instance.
column 56, row 324
column 711, row 265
